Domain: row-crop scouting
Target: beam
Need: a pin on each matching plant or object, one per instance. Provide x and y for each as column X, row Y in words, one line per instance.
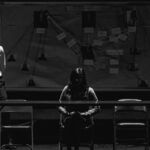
column 43, row 103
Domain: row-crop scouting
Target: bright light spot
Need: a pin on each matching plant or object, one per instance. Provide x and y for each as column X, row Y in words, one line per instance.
column 1, row 74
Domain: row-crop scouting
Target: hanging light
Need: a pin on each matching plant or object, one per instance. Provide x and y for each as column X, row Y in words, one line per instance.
column 42, row 57
column 133, row 66
column 31, row 83
column 142, row 83
column 25, row 67
column 135, row 51
column 11, row 58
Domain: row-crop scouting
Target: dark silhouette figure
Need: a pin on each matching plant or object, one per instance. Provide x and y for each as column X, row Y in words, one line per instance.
column 76, row 120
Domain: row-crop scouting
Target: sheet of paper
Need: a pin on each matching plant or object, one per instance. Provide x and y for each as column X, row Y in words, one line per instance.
column 131, row 29
column 97, row 42
column 71, row 43
column 123, row 37
column 114, row 52
column 114, row 62
column 61, row 36
column 115, row 31
column 88, row 62
column 113, row 70
column 40, row 30
column 88, row 30
column 102, row 33
column 114, row 39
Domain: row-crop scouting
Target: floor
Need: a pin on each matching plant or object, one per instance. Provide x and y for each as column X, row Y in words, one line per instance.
column 96, row 147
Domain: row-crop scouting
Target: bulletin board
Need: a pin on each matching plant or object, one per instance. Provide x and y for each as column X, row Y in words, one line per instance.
column 114, row 50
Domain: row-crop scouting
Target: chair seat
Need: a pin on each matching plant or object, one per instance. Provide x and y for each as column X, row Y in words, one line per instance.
column 16, row 127
column 131, row 124
column 14, row 146
column 132, row 141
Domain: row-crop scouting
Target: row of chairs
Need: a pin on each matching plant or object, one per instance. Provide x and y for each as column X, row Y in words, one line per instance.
column 131, row 126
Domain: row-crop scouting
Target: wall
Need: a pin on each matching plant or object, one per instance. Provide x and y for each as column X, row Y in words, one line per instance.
column 17, row 28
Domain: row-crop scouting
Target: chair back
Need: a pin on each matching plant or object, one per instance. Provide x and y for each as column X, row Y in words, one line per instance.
column 130, row 113
column 24, row 109
column 130, row 108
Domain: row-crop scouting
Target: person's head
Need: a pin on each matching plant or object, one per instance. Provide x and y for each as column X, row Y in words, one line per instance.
column 78, row 78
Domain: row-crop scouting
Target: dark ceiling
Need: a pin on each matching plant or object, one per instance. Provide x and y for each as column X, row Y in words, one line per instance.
column 80, row 1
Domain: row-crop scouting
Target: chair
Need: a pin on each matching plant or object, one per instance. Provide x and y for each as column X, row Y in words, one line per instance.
column 16, row 127
column 131, row 125
column 86, row 139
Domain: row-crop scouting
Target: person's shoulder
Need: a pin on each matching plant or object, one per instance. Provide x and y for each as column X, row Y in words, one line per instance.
column 65, row 88
column 1, row 49
column 90, row 89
